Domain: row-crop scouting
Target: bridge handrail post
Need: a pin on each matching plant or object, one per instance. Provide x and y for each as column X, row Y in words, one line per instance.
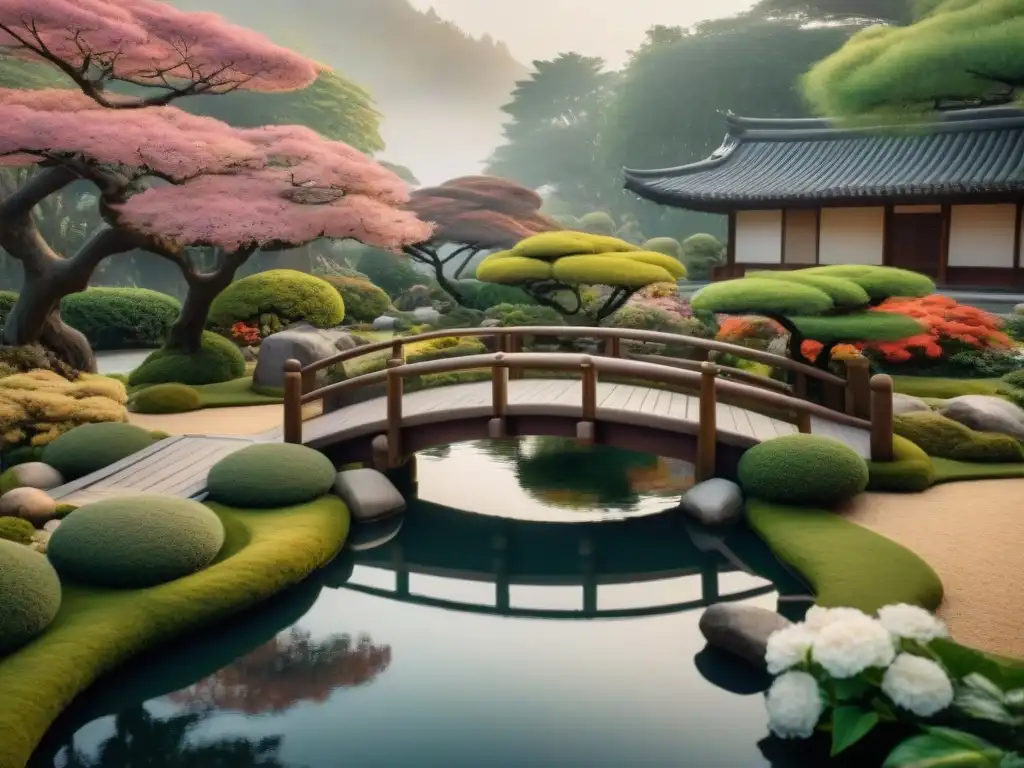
column 588, row 379
column 613, row 347
column 499, row 386
column 293, row 386
column 707, row 428
column 881, row 417
column 513, row 343
column 395, row 389
column 858, row 387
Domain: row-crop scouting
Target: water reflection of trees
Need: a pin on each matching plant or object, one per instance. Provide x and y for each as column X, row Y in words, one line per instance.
column 290, row 668
column 561, row 472
column 140, row 739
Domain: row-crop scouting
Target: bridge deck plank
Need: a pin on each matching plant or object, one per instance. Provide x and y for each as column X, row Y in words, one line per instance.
column 615, row 400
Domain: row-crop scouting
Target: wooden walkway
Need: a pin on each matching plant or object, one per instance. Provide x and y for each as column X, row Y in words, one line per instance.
column 175, row 466
column 615, row 402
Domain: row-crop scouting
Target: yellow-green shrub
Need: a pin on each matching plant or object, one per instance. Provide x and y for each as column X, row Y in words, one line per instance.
column 910, row 471
column 948, row 439
column 442, row 349
column 38, row 406
column 166, row 398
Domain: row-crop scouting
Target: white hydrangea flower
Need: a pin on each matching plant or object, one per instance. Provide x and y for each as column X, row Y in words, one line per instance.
column 918, row 685
column 849, row 646
column 788, row 647
column 817, row 618
column 794, row 705
column 912, row 623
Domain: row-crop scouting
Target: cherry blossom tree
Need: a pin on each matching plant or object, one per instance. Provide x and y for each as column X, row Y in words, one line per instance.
column 474, row 214
column 166, row 179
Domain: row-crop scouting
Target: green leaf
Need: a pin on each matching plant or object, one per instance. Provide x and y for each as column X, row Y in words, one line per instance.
column 1015, row 698
column 983, row 708
column 1012, row 760
column 850, row 725
column 981, row 684
column 850, row 689
column 944, row 748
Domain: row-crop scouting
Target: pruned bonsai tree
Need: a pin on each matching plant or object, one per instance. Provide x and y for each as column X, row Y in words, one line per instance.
column 473, row 214
column 554, row 266
column 832, row 305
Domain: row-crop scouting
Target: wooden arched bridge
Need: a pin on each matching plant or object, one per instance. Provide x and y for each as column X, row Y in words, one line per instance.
column 678, row 408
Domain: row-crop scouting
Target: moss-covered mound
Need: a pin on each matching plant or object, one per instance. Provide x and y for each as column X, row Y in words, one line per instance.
column 287, row 294
column 803, row 469
column 270, row 475
column 948, row 439
column 364, row 302
column 92, row 447
column 845, row 563
column 166, row 398
column 29, row 595
column 135, row 541
column 910, row 471
column 17, row 530
column 121, row 318
column 217, row 360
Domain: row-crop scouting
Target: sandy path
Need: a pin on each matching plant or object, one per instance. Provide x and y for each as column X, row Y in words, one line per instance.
column 243, row 420
column 972, row 534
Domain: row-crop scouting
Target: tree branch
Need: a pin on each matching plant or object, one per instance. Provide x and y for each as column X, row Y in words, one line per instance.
column 73, row 273
column 454, row 254
column 474, row 250
column 615, row 302
column 34, row 191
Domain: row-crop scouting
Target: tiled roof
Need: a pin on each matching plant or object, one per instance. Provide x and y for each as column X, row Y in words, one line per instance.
column 774, row 163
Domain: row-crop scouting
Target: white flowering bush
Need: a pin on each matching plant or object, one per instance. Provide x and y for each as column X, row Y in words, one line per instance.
column 844, row 671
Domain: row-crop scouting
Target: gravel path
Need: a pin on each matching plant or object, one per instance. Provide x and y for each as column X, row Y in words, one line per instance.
column 972, row 534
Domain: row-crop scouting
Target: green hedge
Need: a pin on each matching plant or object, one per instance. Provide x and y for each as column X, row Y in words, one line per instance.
column 29, row 595
column 910, row 471
column 131, row 542
column 364, row 301
column 121, row 318
column 948, row 439
column 91, row 447
column 802, row 469
column 218, row 360
column 480, row 295
column 270, row 475
column 166, row 398
column 290, row 295
column 509, row 315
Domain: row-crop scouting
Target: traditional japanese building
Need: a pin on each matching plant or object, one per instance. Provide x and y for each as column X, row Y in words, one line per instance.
column 943, row 198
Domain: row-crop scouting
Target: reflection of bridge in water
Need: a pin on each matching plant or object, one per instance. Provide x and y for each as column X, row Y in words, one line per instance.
column 447, row 543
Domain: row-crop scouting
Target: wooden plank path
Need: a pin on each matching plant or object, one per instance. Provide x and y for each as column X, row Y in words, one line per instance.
column 178, row 466
column 615, row 402
column 175, row 466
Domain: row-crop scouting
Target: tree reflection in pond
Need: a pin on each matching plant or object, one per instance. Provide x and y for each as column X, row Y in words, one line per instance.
column 561, row 472
column 140, row 739
column 287, row 670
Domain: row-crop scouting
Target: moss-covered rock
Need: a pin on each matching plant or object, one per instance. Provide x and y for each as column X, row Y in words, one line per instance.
column 92, row 447
column 217, row 360
column 910, row 471
column 948, row 439
column 132, row 542
column 268, row 475
column 364, row 301
column 29, row 595
column 17, row 530
column 803, row 470
column 166, row 398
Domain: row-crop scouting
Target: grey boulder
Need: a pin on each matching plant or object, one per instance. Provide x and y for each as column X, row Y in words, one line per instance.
column 301, row 342
column 984, row 413
column 907, row 404
column 30, row 504
column 385, row 323
column 427, row 315
column 36, row 474
column 368, row 494
column 742, row 630
column 714, row 502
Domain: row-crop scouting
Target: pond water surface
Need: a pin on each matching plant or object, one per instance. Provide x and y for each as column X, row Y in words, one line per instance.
column 420, row 652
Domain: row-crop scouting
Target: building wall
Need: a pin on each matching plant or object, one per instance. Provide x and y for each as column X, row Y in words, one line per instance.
column 758, row 237
column 982, row 235
column 800, row 244
column 852, row 236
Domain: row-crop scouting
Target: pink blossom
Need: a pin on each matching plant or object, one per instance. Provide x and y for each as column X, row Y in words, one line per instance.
column 263, row 207
column 148, row 42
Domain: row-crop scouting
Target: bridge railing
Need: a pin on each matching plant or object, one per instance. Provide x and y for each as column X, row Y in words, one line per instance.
column 506, row 365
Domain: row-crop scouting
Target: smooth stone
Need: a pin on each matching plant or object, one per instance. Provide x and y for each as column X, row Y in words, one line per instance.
column 368, row 494
column 1018, row 309
column 52, row 526
column 36, row 474
column 907, row 404
column 30, row 504
column 714, row 502
column 427, row 315
column 385, row 323
column 984, row 413
column 301, row 342
column 742, row 630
